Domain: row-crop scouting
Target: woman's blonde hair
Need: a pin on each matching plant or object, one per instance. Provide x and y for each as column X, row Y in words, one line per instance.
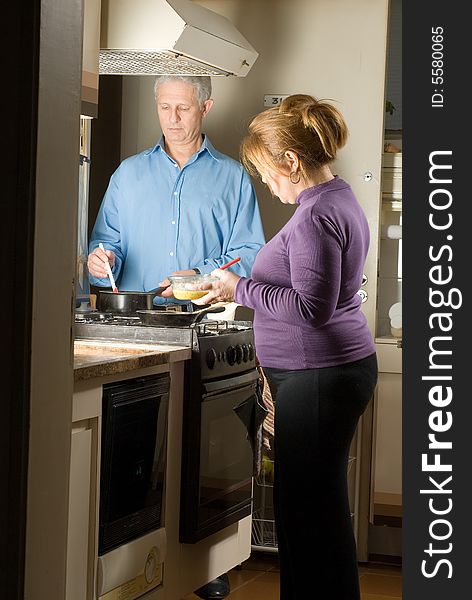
column 313, row 129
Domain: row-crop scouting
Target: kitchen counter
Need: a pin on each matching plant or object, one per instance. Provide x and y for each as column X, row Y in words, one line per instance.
column 98, row 359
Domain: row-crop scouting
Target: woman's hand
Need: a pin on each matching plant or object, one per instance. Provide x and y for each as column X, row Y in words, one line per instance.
column 219, row 291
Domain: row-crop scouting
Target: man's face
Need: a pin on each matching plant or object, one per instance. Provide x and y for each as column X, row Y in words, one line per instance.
column 179, row 113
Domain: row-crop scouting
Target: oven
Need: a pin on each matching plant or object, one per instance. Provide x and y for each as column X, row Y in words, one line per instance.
column 220, row 397
column 217, row 460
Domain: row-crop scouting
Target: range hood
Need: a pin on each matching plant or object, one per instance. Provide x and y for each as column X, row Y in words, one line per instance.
column 175, row 37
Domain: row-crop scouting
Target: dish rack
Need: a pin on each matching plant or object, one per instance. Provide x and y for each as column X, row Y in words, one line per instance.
column 264, row 534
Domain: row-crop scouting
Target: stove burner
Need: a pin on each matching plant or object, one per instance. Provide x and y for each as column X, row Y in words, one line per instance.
column 206, row 327
column 106, row 317
column 213, row 327
column 91, row 317
column 173, row 307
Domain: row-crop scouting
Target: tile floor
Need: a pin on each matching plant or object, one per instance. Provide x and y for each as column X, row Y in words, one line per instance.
column 258, row 579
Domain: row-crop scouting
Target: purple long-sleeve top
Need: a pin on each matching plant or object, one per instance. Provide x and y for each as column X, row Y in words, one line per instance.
column 304, row 283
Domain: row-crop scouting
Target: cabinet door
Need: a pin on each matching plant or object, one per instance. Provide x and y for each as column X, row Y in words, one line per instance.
column 388, row 447
column 79, row 514
column 90, row 54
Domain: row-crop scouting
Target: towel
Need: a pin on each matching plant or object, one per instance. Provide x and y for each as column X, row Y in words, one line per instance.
column 252, row 412
column 257, row 414
column 268, row 424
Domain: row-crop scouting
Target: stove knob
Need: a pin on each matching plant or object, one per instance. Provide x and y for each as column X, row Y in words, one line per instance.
column 239, row 354
column 231, row 355
column 251, row 352
column 245, row 352
column 211, row 358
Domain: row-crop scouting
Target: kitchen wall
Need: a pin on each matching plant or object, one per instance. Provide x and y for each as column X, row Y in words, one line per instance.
column 331, row 49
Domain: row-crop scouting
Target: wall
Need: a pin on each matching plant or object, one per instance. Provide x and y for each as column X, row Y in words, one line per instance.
column 55, row 245
column 106, row 141
column 331, row 49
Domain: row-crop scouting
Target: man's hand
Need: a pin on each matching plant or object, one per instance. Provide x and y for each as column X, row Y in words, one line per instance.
column 168, row 293
column 97, row 262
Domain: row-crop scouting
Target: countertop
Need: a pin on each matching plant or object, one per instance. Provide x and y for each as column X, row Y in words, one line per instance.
column 94, row 358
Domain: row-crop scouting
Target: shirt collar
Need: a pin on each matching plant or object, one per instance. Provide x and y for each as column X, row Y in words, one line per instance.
column 206, row 146
column 307, row 193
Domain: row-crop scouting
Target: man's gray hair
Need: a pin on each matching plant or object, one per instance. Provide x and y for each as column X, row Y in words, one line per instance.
column 202, row 85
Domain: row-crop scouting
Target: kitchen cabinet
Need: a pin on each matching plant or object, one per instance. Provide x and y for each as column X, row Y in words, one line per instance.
column 79, row 512
column 94, row 367
column 185, row 566
column 83, row 494
column 90, row 58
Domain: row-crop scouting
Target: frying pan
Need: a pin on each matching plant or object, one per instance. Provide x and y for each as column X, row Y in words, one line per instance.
column 126, row 302
column 165, row 318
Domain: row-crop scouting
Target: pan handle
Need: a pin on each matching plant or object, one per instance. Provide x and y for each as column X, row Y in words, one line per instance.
column 157, row 291
column 208, row 309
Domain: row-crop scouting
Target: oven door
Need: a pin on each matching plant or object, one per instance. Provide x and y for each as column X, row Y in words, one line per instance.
column 217, row 459
column 134, row 427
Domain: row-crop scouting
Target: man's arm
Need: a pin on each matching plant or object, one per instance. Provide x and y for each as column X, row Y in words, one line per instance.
column 106, row 230
column 246, row 237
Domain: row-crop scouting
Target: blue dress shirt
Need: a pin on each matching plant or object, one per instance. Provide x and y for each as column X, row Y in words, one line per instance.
column 158, row 218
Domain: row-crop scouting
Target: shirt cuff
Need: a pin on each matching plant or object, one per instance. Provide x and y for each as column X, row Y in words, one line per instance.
column 99, row 282
column 204, row 269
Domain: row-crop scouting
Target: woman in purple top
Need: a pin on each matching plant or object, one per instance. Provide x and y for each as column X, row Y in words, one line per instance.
column 312, row 340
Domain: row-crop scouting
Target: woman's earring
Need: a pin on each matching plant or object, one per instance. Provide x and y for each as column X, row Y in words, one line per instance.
column 294, row 177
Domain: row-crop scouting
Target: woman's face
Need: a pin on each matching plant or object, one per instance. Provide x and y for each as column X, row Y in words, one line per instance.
column 279, row 184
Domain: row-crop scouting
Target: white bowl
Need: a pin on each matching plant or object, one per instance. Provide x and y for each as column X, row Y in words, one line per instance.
column 397, row 333
column 396, row 322
column 395, row 310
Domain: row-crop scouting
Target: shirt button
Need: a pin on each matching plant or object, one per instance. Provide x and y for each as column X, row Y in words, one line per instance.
column 175, row 193
column 173, row 222
column 171, row 253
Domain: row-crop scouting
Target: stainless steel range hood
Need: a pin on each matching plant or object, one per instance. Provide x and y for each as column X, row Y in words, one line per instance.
column 176, row 37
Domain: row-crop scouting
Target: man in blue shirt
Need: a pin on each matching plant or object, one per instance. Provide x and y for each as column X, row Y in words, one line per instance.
column 179, row 207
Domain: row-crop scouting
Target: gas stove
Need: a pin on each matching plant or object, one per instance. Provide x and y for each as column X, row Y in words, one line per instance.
column 220, row 348
column 225, row 347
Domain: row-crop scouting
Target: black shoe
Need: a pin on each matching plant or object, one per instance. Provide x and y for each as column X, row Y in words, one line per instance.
column 214, row 590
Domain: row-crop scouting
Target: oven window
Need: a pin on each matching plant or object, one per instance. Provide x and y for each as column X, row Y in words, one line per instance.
column 134, row 426
column 225, row 455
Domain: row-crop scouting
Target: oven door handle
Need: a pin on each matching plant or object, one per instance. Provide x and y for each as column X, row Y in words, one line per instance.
column 230, row 383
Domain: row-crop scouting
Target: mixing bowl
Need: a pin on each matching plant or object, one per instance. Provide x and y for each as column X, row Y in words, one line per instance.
column 186, row 287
